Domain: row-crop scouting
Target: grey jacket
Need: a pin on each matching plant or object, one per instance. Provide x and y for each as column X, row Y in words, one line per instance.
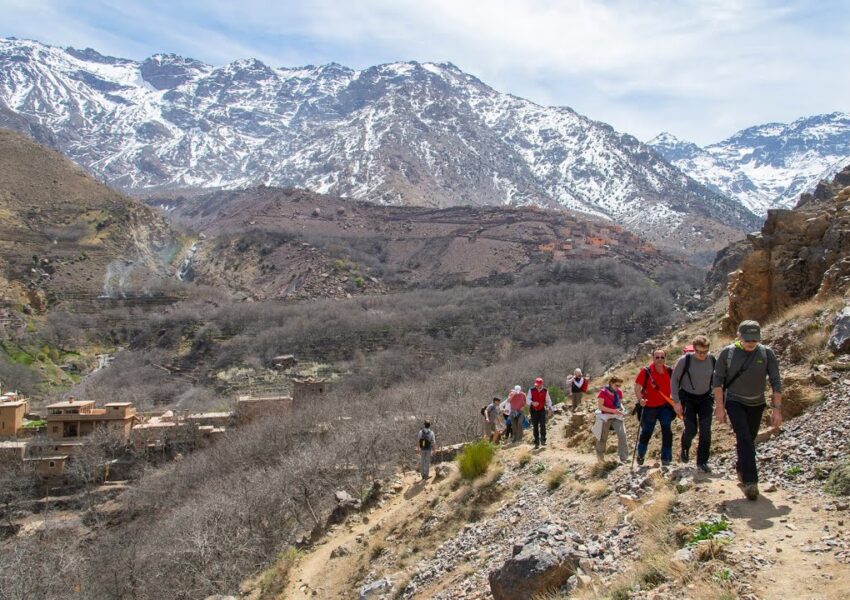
column 698, row 379
column 749, row 387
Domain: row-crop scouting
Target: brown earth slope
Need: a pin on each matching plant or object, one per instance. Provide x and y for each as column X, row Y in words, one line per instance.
column 65, row 236
column 284, row 243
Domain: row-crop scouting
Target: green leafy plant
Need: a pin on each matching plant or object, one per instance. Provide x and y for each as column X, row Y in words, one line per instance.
column 475, row 458
column 538, row 467
column 793, row 471
column 706, row 530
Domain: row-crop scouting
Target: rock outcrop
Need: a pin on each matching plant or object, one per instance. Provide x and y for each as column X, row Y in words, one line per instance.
column 542, row 564
column 799, row 254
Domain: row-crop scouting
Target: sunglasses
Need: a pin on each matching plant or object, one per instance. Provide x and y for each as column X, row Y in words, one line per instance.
column 656, row 357
column 700, row 351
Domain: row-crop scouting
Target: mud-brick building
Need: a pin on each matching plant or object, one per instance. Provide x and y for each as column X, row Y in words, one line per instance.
column 309, row 389
column 79, row 418
column 13, row 407
column 249, row 408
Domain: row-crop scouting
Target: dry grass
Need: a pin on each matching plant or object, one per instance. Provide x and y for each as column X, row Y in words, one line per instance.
column 273, row 581
column 655, row 510
column 523, row 457
column 556, row 477
column 601, row 469
column 809, row 309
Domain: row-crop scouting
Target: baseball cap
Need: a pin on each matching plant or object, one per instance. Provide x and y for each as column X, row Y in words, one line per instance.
column 538, row 381
column 750, row 331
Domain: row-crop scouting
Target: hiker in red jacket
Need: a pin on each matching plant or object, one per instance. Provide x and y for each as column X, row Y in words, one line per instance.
column 652, row 391
column 541, row 403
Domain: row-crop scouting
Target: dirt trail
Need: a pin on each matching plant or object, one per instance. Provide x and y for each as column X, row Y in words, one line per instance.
column 779, row 526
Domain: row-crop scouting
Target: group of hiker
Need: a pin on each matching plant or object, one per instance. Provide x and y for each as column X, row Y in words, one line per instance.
column 730, row 386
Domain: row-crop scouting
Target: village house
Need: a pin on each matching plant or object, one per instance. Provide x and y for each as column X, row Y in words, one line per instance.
column 309, row 389
column 13, row 407
column 79, row 418
column 249, row 408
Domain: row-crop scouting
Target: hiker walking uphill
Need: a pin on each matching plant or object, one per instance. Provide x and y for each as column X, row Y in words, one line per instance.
column 493, row 427
column 517, row 401
column 609, row 416
column 541, row 403
column 425, row 441
column 652, row 391
column 739, row 382
column 692, row 394
column 577, row 384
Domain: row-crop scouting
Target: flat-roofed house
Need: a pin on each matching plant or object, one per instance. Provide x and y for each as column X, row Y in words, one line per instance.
column 12, row 410
column 79, row 418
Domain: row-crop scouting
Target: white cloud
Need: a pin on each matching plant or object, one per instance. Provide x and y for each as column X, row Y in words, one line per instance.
column 700, row 68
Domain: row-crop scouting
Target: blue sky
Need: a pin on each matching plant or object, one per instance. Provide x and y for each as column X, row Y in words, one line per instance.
column 701, row 70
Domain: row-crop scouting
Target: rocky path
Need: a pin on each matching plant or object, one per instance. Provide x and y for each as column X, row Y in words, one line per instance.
column 791, row 543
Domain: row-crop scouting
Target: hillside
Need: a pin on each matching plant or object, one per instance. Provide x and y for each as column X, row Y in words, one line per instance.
column 271, row 243
column 616, row 532
column 401, row 134
column 766, row 166
column 65, row 236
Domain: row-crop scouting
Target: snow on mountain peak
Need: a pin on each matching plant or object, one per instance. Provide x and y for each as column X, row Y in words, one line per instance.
column 402, row 132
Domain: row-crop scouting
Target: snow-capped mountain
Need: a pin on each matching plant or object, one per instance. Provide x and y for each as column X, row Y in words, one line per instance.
column 767, row 166
column 401, row 133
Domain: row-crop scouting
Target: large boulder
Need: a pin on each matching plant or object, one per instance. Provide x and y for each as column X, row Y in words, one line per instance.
column 839, row 340
column 542, row 564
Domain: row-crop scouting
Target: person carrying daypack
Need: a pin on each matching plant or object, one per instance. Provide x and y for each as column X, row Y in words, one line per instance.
column 739, row 382
column 540, row 403
column 492, row 419
column 425, row 442
column 692, row 395
column 610, row 415
column 517, row 400
column 652, row 391
column 577, row 384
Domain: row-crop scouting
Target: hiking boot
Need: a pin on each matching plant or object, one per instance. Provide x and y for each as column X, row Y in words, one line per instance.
column 684, row 456
column 751, row 491
column 665, row 463
column 536, row 445
column 704, row 467
column 543, row 443
column 640, row 460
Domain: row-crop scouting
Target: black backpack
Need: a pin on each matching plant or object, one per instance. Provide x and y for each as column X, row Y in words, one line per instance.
column 424, row 440
column 687, row 369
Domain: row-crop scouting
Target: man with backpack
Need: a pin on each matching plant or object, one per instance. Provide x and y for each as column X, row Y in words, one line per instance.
column 739, row 381
column 691, row 392
column 541, row 403
column 652, row 391
column 425, row 441
column 492, row 427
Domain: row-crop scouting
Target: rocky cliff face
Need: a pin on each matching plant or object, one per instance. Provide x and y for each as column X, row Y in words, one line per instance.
column 799, row 254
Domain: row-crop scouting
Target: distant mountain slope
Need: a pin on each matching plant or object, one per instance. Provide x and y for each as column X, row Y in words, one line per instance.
column 403, row 133
column 767, row 166
column 271, row 243
column 65, row 236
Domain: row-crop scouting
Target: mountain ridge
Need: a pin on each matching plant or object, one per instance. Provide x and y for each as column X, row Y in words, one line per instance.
column 766, row 166
column 424, row 134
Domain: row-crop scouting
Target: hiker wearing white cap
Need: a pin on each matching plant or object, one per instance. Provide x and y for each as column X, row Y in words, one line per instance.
column 517, row 400
column 540, row 401
column 577, row 384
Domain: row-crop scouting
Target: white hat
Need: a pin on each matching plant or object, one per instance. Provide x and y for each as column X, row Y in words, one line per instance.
column 517, row 388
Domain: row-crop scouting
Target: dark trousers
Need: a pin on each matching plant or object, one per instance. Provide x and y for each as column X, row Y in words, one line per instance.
column 698, row 411
column 664, row 415
column 538, row 422
column 745, row 421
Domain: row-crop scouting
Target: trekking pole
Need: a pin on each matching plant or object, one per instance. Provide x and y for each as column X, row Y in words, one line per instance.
column 637, row 437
